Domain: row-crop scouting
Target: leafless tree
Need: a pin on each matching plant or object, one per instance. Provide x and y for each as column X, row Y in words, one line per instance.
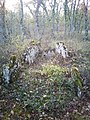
column 21, row 20
column 86, row 18
column 2, row 21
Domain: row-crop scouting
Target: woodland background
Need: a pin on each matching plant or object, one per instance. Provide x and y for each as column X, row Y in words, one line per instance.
column 46, row 91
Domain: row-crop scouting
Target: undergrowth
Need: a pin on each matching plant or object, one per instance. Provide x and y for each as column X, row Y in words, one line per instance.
column 50, row 92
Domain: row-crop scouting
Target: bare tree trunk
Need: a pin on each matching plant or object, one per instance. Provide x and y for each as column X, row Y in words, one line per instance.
column 76, row 21
column 21, row 20
column 2, row 21
column 37, row 21
column 57, row 18
column 53, row 17
column 74, row 15
column 9, row 25
column 80, row 23
column 43, row 22
column 44, row 7
column 86, row 18
column 71, row 18
column 65, row 14
column 38, row 36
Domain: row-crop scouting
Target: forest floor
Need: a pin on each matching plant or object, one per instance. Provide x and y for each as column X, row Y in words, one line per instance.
column 36, row 96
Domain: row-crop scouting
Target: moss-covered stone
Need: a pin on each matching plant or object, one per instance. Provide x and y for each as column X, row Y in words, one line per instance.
column 12, row 60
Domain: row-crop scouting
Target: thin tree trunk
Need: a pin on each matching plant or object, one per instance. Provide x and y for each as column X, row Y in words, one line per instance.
column 21, row 20
column 53, row 17
column 65, row 14
column 57, row 19
column 74, row 15
column 76, row 22
column 38, row 36
column 71, row 18
column 86, row 18
column 2, row 21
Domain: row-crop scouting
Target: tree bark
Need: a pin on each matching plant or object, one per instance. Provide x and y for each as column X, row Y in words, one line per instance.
column 53, row 17
column 21, row 20
column 38, row 36
column 76, row 21
column 86, row 18
column 2, row 21
column 65, row 15
column 71, row 18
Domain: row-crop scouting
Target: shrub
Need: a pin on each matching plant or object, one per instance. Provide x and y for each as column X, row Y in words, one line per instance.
column 52, row 70
column 51, row 92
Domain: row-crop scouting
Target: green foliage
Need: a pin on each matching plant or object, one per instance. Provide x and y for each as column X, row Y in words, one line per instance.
column 52, row 70
column 49, row 92
column 75, row 74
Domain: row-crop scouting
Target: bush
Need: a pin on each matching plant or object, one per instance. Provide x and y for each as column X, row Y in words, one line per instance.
column 51, row 92
column 52, row 70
